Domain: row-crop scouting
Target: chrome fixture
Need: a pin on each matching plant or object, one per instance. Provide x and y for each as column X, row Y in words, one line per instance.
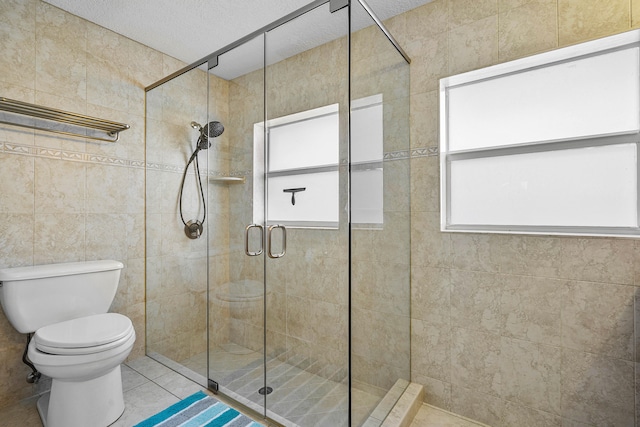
column 284, row 241
column 193, row 228
column 49, row 115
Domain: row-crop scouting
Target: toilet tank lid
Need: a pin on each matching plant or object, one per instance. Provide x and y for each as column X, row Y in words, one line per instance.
column 55, row 270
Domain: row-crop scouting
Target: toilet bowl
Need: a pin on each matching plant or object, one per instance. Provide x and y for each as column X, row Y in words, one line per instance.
column 83, row 357
column 76, row 341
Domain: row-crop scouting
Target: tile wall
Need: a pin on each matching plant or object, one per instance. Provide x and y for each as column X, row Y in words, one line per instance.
column 380, row 258
column 177, row 266
column 514, row 330
column 507, row 330
column 65, row 199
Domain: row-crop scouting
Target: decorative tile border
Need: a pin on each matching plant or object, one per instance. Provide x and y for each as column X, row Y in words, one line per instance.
column 425, row 152
column 74, row 156
column 18, row 149
column 396, row 155
column 410, row 154
column 164, row 168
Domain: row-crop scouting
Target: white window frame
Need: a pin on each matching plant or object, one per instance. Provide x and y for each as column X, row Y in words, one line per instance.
column 374, row 160
column 260, row 176
column 629, row 40
column 371, row 162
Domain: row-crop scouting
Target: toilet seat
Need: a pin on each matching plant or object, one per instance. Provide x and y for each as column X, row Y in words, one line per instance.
column 84, row 335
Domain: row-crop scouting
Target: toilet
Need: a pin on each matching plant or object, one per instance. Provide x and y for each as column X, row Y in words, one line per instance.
column 76, row 342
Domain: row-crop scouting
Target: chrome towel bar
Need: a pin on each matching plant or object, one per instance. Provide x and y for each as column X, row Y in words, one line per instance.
column 111, row 129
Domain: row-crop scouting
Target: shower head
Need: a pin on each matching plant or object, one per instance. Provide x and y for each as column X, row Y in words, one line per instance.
column 213, row 129
column 210, row 130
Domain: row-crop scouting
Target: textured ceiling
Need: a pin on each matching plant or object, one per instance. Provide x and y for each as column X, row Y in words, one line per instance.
column 192, row 29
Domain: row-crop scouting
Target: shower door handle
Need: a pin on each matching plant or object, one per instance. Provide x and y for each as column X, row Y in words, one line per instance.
column 246, row 240
column 284, row 241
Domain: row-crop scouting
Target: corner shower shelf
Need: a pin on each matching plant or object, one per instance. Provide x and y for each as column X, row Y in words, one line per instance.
column 228, row 179
column 52, row 116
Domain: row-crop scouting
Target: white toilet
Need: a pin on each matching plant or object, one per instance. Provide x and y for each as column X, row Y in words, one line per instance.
column 76, row 342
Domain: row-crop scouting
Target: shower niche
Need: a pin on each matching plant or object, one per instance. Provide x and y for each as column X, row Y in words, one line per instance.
column 294, row 301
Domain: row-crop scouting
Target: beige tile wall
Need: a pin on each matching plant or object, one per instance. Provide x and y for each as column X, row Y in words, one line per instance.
column 380, row 259
column 65, row 199
column 508, row 330
column 177, row 267
column 514, row 330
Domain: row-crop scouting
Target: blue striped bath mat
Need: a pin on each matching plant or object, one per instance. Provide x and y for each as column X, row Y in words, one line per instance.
column 199, row 410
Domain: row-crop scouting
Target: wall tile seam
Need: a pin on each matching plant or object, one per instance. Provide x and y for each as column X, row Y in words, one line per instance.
column 586, row 39
column 520, row 275
column 561, row 364
column 505, row 401
column 520, row 404
column 562, row 347
column 549, row 277
column 636, row 384
column 504, row 59
column 558, row 28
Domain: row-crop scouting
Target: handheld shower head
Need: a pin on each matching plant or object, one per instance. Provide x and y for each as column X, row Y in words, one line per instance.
column 193, row 229
column 213, row 129
column 210, row 130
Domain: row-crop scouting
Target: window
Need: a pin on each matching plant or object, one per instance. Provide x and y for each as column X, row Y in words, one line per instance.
column 302, row 167
column 546, row 144
column 367, row 210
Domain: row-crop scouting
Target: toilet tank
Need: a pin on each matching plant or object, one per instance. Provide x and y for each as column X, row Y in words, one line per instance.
column 40, row 295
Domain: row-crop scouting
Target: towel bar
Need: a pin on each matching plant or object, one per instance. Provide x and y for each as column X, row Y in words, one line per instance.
column 111, row 129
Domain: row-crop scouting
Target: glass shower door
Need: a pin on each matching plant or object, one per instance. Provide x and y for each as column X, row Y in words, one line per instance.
column 309, row 227
column 278, row 251
column 274, row 304
column 236, row 252
column 380, row 221
column 306, row 181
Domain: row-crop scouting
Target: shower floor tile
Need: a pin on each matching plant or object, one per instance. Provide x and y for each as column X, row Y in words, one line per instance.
column 150, row 387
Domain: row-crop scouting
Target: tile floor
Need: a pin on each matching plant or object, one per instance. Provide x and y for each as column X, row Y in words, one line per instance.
column 305, row 392
column 149, row 387
column 429, row 416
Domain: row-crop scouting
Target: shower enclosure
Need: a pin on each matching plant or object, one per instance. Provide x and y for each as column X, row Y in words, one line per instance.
column 294, row 301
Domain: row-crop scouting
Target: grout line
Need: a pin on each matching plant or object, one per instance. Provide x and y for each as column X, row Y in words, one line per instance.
column 557, row 23
column 635, row 363
column 149, row 380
